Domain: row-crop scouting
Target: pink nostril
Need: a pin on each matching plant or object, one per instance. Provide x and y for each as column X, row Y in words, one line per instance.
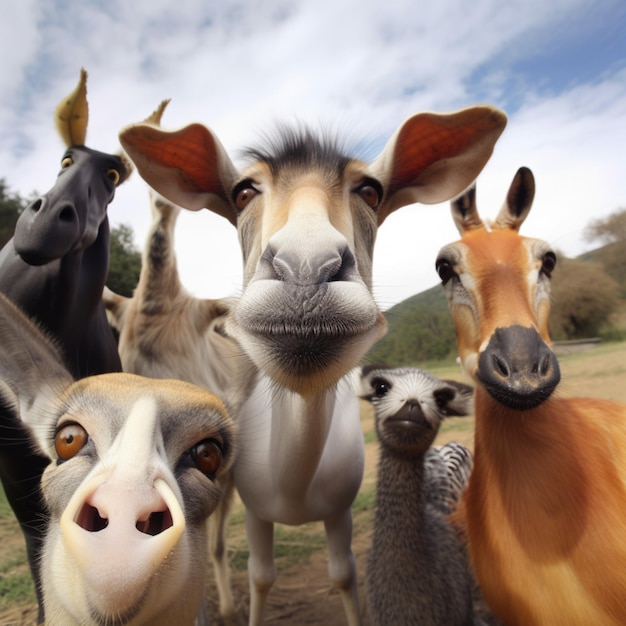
column 155, row 523
column 89, row 519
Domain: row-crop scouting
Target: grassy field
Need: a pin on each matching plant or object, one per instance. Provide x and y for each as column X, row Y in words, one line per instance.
column 599, row 372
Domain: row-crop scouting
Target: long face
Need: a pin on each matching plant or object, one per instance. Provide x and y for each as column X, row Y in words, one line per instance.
column 498, row 289
column 136, row 476
column 68, row 217
column 307, row 217
column 307, row 231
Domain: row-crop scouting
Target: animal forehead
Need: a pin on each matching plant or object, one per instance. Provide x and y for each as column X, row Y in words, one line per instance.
column 298, row 150
column 105, row 401
column 481, row 250
column 407, row 380
column 85, row 153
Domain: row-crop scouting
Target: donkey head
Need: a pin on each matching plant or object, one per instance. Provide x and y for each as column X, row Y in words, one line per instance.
column 498, row 288
column 68, row 217
column 307, row 216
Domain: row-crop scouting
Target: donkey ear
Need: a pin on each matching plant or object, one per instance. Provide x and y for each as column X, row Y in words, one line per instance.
column 519, row 200
column 31, row 370
column 465, row 212
column 433, row 157
column 72, row 114
column 189, row 167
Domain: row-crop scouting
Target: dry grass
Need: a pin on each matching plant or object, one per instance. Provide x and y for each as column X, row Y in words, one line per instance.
column 302, row 594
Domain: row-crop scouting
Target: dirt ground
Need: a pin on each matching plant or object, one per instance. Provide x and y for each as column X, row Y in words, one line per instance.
column 302, row 595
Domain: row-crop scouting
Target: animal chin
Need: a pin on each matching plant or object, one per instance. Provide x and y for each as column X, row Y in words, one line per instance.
column 517, row 401
column 116, row 618
column 305, row 337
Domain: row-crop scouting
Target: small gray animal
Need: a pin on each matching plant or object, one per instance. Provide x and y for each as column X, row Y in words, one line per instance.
column 417, row 569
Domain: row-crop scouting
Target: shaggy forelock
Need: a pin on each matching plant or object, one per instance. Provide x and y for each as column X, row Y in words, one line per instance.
column 302, row 148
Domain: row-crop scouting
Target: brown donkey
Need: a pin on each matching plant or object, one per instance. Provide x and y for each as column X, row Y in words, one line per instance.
column 545, row 509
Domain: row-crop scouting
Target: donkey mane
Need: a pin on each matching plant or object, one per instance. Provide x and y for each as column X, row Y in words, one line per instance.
column 300, row 147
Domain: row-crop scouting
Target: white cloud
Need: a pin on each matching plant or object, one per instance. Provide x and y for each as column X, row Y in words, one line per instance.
column 360, row 67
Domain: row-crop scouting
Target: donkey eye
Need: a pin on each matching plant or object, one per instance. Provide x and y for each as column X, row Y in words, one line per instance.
column 66, row 162
column 113, row 175
column 371, row 193
column 69, row 440
column 444, row 269
column 207, row 457
column 243, row 194
column 548, row 263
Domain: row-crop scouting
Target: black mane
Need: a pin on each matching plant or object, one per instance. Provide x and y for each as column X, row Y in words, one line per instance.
column 300, row 147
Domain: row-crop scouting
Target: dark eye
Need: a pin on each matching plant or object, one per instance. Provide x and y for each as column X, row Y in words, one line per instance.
column 207, row 457
column 70, row 440
column 442, row 397
column 381, row 387
column 66, row 162
column 371, row 192
column 548, row 263
column 444, row 269
column 113, row 175
column 243, row 194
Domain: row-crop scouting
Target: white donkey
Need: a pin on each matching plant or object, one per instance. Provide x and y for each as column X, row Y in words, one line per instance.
column 307, row 216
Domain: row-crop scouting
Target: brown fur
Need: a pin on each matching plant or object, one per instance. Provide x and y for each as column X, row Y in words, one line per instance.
column 545, row 510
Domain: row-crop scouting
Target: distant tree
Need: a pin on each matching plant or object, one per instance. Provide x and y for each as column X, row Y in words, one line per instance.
column 583, row 298
column 125, row 261
column 11, row 205
column 612, row 232
column 608, row 230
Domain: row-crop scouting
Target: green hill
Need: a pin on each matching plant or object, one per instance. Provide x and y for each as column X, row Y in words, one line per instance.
column 420, row 328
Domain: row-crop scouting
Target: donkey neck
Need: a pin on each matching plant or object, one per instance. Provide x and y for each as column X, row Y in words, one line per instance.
column 529, row 474
column 298, row 438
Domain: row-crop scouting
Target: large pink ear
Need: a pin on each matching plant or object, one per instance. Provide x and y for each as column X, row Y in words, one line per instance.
column 189, row 166
column 434, row 157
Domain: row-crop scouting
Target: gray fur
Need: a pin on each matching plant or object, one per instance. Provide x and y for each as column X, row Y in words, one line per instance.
column 417, row 570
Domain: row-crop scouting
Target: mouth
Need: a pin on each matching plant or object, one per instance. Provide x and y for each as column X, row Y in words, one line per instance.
column 302, row 331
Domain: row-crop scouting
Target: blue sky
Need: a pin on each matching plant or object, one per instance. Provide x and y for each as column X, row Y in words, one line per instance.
column 557, row 69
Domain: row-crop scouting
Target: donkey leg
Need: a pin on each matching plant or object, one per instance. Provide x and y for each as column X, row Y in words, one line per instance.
column 342, row 564
column 261, row 570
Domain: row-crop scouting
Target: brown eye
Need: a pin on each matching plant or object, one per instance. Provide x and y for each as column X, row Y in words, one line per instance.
column 207, row 457
column 70, row 440
column 66, row 162
column 113, row 175
column 444, row 269
column 548, row 263
column 370, row 193
column 243, row 194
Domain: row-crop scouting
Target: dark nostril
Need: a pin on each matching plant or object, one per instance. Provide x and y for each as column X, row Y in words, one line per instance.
column 501, row 366
column 90, row 520
column 545, row 365
column 156, row 523
column 36, row 205
column 67, row 214
column 345, row 268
